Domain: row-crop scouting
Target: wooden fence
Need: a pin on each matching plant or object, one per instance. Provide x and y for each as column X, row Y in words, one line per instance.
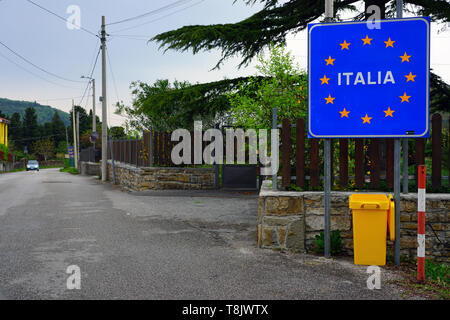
column 303, row 156
column 154, row 149
column 357, row 163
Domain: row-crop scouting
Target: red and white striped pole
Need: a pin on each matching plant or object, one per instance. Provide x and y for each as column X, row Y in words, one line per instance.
column 421, row 223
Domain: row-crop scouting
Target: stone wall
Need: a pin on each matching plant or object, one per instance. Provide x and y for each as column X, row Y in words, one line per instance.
column 291, row 220
column 160, row 178
column 90, row 168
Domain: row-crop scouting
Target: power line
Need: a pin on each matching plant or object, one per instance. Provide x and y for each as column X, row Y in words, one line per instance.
column 60, row 17
column 114, row 82
column 112, row 74
column 154, row 20
column 36, row 66
column 90, row 76
column 166, row 7
column 32, row 73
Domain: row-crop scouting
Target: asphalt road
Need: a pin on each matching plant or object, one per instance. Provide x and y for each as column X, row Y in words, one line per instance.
column 151, row 245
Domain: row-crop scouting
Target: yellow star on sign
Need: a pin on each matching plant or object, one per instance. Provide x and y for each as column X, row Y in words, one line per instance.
column 388, row 112
column 344, row 113
column 330, row 61
column 366, row 119
column 324, row 79
column 366, row 40
column 405, row 97
column 405, row 57
column 329, row 99
column 410, row 77
column 344, row 45
column 389, row 43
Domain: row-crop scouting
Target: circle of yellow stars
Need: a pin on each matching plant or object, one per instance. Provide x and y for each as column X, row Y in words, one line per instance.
column 368, row 41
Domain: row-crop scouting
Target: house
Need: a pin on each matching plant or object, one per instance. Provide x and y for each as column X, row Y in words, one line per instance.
column 4, row 131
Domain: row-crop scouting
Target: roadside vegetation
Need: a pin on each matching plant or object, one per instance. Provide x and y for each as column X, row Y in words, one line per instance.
column 437, row 279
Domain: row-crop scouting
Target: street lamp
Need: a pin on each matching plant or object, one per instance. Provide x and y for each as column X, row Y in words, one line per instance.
column 94, row 124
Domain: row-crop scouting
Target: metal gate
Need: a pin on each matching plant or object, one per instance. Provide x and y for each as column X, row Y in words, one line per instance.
column 240, row 176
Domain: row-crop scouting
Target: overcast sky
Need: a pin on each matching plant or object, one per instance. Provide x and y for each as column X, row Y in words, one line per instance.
column 46, row 41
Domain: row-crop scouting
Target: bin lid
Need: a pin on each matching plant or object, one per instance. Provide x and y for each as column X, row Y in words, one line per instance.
column 369, row 201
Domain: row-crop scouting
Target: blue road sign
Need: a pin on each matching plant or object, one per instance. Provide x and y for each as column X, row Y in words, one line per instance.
column 369, row 82
column 71, row 151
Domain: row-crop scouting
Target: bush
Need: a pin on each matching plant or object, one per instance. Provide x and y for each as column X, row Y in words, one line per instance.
column 335, row 242
column 436, row 271
column 5, row 150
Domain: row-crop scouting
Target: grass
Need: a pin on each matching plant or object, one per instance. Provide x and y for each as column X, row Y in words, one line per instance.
column 70, row 170
column 437, row 280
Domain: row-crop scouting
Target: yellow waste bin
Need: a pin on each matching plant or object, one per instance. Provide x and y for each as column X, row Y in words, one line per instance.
column 370, row 220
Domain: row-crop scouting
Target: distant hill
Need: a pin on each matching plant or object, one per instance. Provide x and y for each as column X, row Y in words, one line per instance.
column 44, row 113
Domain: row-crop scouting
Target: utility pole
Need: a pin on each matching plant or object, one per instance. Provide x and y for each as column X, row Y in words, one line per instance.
column 67, row 139
column 94, row 120
column 74, row 136
column 78, row 135
column 104, row 106
column 94, row 124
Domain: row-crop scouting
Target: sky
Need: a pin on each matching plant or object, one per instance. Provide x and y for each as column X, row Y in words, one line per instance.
column 67, row 54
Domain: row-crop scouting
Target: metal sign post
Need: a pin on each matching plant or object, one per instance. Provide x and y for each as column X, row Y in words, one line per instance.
column 327, row 192
column 399, row 4
column 329, row 14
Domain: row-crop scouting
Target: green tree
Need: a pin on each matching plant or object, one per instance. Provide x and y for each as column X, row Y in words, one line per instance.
column 277, row 19
column 15, row 131
column 117, row 133
column 31, row 130
column 2, row 115
column 45, row 147
column 58, row 129
column 85, row 123
column 283, row 86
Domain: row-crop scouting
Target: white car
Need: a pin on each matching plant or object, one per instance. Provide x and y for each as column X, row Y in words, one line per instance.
column 32, row 165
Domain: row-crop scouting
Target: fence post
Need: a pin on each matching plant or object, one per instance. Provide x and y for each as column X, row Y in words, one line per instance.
column 285, row 149
column 314, row 163
column 436, row 139
column 129, row 151
column 136, row 152
column 274, row 126
column 405, row 165
column 359, row 163
column 217, row 165
column 390, row 163
column 343, row 163
column 374, row 164
column 300, row 156
column 166, row 148
column 150, row 149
